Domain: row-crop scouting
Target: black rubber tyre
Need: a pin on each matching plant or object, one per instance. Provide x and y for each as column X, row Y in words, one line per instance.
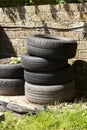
column 38, row 64
column 11, row 87
column 49, row 78
column 81, row 95
column 50, row 94
column 81, row 83
column 11, row 70
column 49, row 46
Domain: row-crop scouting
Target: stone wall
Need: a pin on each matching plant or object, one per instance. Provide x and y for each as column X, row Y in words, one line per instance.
column 70, row 20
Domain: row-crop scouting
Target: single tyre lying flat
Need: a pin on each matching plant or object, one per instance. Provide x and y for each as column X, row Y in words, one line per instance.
column 49, row 94
column 49, row 78
column 38, row 64
column 53, row 47
column 11, row 70
column 10, row 87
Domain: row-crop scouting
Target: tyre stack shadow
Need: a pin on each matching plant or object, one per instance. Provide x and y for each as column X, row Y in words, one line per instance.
column 6, row 48
column 80, row 76
column 48, row 76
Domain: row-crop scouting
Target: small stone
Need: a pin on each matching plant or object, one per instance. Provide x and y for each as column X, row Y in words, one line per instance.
column 41, row 108
column 17, row 108
column 3, row 103
column 2, row 109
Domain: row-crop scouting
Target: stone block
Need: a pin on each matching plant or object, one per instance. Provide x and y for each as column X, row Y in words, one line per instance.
column 83, row 7
column 82, row 36
column 83, row 16
column 70, row 7
column 71, row 34
column 82, row 54
column 82, row 45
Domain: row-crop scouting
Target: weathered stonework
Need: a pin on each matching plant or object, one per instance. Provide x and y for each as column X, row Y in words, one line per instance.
column 19, row 22
column 70, row 20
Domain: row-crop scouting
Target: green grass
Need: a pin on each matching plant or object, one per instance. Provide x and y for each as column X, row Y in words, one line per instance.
column 60, row 117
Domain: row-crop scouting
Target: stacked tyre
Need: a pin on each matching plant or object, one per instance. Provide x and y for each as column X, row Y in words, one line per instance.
column 11, row 79
column 48, row 76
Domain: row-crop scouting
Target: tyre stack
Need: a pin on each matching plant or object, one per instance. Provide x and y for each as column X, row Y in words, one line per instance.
column 11, row 78
column 48, row 76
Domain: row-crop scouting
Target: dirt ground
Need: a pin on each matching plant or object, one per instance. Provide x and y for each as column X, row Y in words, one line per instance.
column 20, row 100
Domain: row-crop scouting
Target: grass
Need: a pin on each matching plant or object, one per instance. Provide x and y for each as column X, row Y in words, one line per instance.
column 60, row 117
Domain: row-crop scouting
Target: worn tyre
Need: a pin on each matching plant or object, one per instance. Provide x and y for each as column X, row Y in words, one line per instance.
column 49, row 78
column 11, row 70
column 50, row 94
column 49, row 46
column 38, row 64
column 10, row 87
